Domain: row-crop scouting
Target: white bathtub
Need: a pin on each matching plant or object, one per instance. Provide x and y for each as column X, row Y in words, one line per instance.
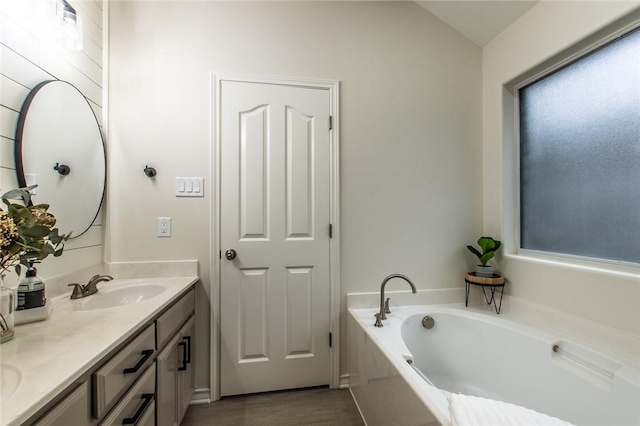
column 483, row 354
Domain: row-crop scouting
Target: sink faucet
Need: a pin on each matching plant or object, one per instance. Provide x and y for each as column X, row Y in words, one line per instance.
column 80, row 291
column 384, row 306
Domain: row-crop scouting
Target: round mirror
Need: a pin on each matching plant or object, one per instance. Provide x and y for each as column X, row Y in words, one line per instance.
column 59, row 147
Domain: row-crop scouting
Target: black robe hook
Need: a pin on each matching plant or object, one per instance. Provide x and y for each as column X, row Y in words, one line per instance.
column 149, row 171
column 63, row 169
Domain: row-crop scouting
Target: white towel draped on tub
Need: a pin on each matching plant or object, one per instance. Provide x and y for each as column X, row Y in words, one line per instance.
column 467, row 410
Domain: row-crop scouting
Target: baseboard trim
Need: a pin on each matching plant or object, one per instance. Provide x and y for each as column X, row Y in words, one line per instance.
column 200, row 396
column 344, row 381
column 358, row 407
column 203, row 395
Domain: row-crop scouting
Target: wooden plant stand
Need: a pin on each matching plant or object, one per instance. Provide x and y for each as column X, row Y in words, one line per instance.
column 492, row 283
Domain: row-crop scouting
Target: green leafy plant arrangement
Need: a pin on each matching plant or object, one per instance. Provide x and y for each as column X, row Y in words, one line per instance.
column 27, row 232
column 489, row 247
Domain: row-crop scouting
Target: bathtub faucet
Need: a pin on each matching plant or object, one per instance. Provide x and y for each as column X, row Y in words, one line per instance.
column 384, row 305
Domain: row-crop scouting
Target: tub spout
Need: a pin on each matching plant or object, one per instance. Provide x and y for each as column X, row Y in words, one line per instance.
column 382, row 315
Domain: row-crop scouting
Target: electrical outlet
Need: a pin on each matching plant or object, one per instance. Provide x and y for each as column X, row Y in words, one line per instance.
column 164, row 227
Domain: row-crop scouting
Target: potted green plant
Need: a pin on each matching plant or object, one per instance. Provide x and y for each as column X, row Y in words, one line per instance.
column 27, row 233
column 489, row 247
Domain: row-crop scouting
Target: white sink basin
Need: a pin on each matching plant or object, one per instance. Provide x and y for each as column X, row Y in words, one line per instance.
column 9, row 381
column 110, row 298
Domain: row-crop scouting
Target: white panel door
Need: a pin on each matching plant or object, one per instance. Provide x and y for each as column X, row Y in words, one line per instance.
column 275, row 189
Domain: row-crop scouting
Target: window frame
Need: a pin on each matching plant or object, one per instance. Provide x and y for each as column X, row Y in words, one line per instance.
column 512, row 160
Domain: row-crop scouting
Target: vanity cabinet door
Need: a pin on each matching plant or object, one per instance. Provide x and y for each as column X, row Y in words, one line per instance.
column 72, row 410
column 175, row 382
column 186, row 379
column 167, row 385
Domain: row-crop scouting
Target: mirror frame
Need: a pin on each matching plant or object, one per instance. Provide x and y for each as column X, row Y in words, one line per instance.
column 19, row 144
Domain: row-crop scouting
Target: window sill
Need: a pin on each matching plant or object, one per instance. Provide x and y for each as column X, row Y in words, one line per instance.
column 608, row 268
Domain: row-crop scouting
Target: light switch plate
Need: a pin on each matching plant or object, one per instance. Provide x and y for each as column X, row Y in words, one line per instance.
column 189, row 187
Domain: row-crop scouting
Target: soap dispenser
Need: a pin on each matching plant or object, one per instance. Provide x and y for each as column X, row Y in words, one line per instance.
column 32, row 301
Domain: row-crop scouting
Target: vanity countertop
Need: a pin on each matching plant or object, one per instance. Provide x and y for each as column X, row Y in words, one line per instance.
column 50, row 355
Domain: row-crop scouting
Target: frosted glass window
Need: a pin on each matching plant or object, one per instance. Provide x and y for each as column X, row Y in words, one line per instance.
column 580, row 156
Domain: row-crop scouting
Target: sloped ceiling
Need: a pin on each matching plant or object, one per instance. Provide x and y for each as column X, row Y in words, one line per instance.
column 479, row 21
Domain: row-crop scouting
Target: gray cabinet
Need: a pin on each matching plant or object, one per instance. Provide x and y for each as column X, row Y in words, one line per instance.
column 186, row 378
column 118, row 374
column 136, row 404
column 167, row 384
column 171, row 321
column 127, row 386
column 175, row 381
column 74, row 409
column 149, row 418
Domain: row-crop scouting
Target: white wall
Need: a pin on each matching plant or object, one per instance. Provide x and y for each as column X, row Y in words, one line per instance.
column 546, row 30
column 410, row 128
column 27, row 57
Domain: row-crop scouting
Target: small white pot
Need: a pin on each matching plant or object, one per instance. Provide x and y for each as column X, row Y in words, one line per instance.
column 484, row 271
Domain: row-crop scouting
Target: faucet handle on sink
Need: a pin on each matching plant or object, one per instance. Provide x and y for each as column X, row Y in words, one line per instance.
column 378, row 322
column 77, row 290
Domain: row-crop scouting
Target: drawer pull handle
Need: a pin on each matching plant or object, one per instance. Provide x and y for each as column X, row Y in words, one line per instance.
column 146, row 354
column 147, row 398
column 184, row 356
column 188, row 355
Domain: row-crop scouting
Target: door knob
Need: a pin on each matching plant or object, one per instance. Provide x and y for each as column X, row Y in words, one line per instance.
column 230, row 254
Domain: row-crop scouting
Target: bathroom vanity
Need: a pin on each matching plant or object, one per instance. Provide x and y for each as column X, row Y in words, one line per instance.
column 121, row 356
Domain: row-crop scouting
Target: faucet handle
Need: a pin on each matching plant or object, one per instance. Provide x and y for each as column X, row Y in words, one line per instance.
column 77, row 290
column 99, row 278
column 386, row 306
column 378, row 321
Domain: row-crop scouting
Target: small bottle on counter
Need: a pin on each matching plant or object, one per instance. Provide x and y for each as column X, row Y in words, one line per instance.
column 31, row 290
column 32, row 300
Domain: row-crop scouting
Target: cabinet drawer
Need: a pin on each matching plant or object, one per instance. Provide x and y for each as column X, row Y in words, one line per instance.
column 113, row 378
column 72, row 410
column 137, row 404
column 149, row 417
column 170, row 322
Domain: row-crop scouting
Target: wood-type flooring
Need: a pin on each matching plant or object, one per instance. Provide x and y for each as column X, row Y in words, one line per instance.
column 312, row 406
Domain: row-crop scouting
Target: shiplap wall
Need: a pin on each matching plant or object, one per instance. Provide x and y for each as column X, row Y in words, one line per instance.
column 29, row 55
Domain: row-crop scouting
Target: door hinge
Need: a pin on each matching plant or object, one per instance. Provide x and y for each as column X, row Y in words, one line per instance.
column 330, row 122
column 330, row 340
column 330, row 231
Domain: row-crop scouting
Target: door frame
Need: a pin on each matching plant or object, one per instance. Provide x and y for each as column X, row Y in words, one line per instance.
column 333, row 87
